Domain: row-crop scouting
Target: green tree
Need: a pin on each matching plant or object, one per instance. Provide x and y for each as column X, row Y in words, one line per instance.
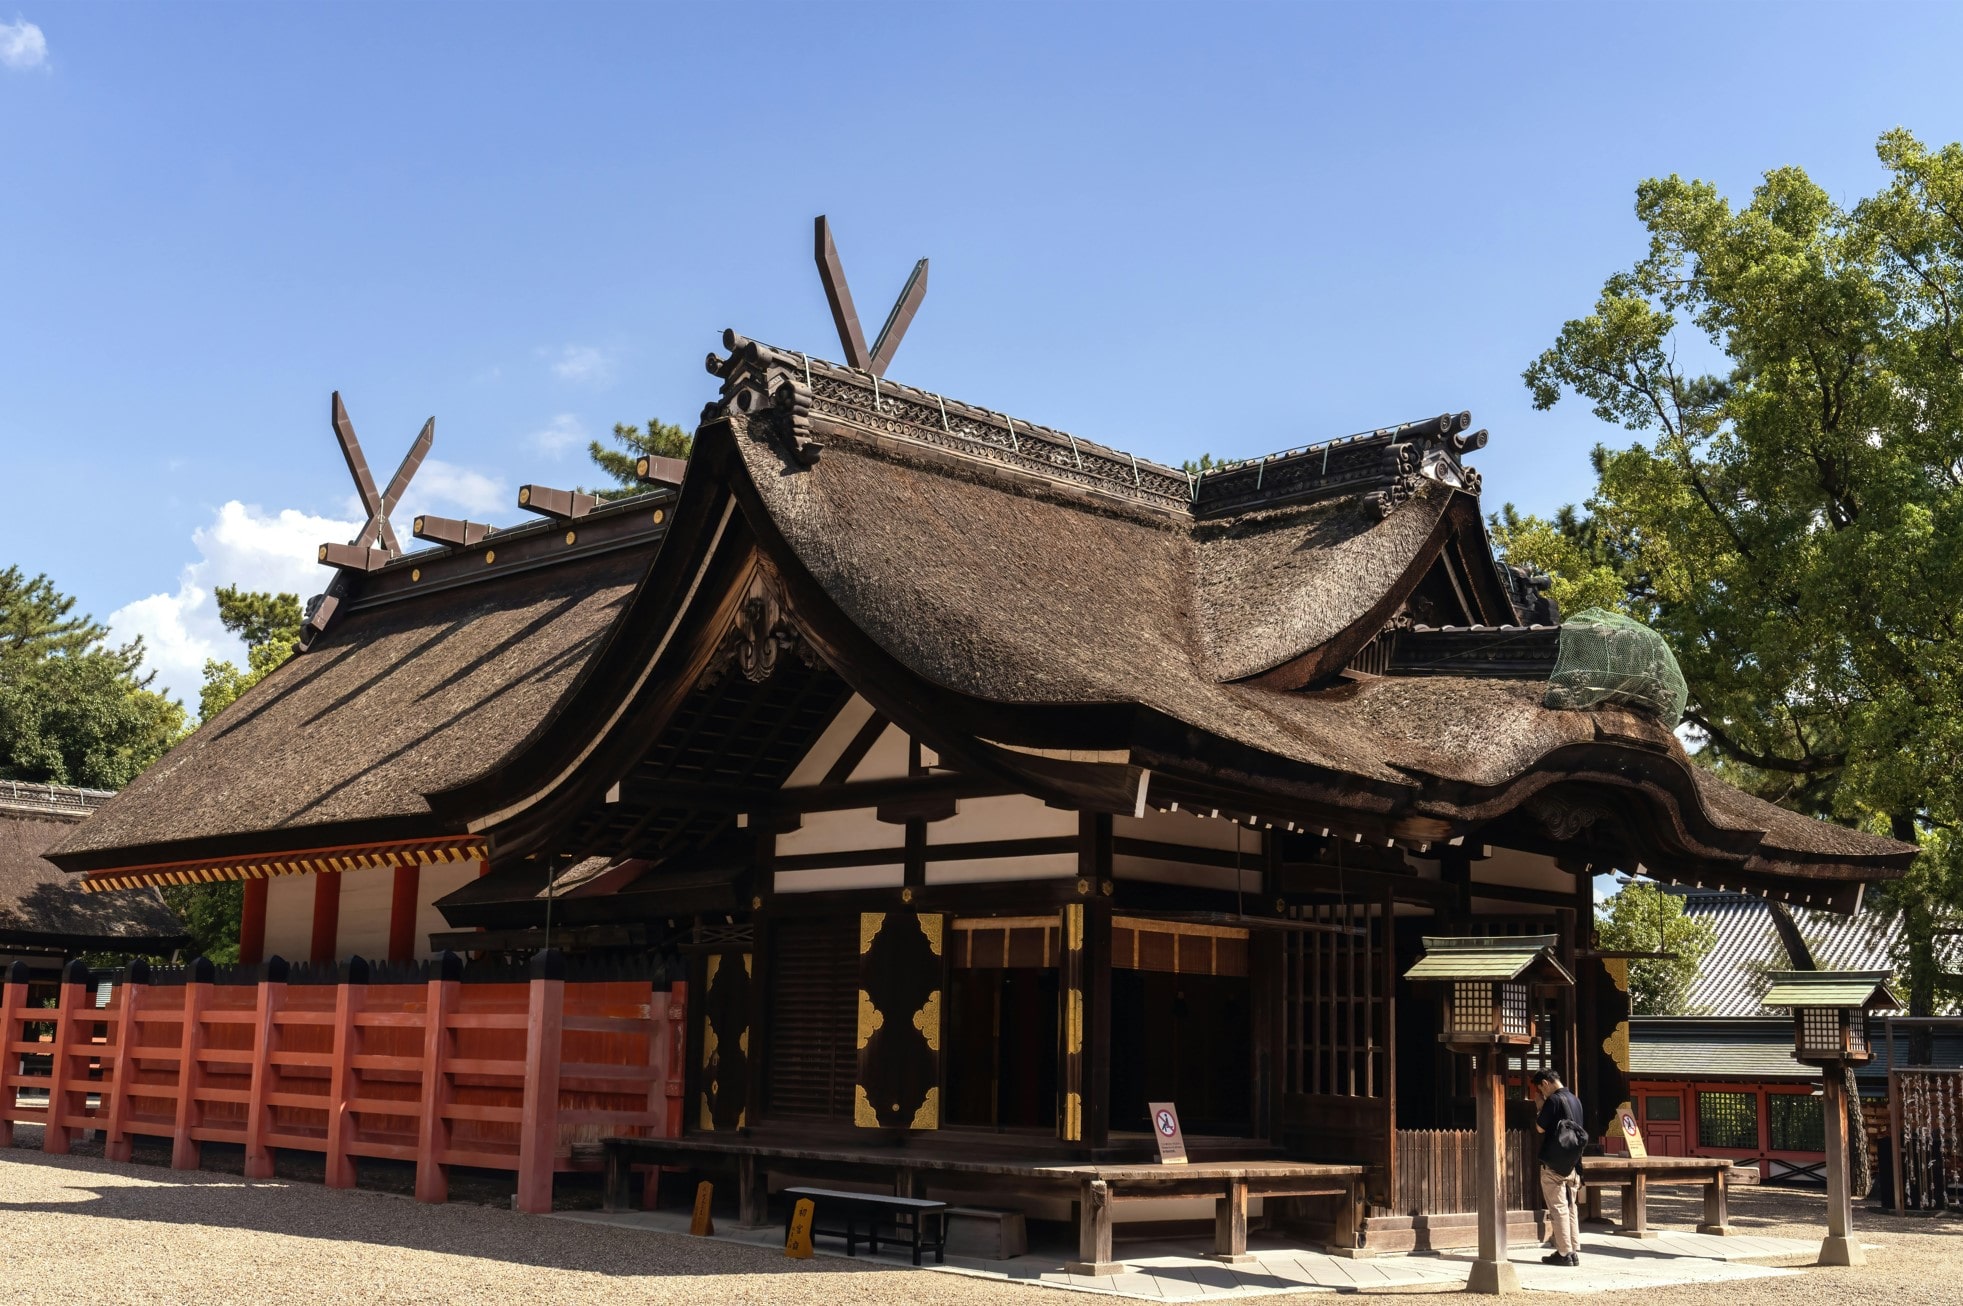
column 74, row 709
column 1567, row 548
column 1793, row 519
column 1643, row 918
column 658, row 438
column 1206, row 462
column 269, row 626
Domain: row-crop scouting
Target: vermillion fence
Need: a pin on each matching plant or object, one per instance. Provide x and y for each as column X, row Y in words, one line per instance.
column 433, row 1065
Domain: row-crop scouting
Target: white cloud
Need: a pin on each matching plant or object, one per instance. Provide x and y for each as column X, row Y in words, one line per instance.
column 245, row 545
column 561, row 434
column 242, row 545
column 445, row 485
column 582, row 364
column 22, row 45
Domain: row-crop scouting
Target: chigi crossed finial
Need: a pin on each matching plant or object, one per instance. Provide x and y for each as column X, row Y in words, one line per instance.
column 850, row 335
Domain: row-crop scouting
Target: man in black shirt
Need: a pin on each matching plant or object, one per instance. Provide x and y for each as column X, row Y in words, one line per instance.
column 1562, row 1136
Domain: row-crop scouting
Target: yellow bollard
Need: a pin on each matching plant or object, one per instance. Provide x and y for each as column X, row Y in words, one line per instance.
column 798, row 1245
column 701, row 1223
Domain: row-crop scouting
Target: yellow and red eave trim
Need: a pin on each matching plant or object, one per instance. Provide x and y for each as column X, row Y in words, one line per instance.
column 313, row 861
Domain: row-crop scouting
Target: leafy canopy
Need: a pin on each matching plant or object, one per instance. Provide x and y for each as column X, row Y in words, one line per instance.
column 657, row 438
column 74, row 709
column 1643, row 918
column 1792, row 518
column 269, row 626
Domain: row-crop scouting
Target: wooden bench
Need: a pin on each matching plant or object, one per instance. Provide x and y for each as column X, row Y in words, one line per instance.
column 908, row 1215
column 1634, row 1177
column 1095, row 1186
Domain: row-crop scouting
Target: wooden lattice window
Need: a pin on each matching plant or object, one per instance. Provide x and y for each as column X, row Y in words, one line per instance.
column 1728, row 1120
column 1797, row 1122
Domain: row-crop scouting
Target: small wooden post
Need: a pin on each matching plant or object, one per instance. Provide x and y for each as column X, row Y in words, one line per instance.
column 752, row 1193
column 702, row 1220
column 116, row 1142
column 1492, row 1272
column 74, row 997
column 1094, row 1231
column 1840, row 1247
column 258, row 1116
column 538, row 1136
column 433, row 1127
column 1230, row 1226
column 348, row 998
column 13, row 1013
column 184, row 1150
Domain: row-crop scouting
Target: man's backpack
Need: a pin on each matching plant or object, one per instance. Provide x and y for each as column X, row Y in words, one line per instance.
column 1564, row 1147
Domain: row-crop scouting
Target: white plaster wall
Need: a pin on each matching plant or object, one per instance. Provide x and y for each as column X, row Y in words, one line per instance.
column 1008, row 816
column 1522, row 870
column 847, row 831
column 364, row 924
column 839, row 877
column 886, row 759
column 1183, row 827
column 438, row 878
column 982, row 869
column 1202, row 877
column 290, row 917
column 844, row 727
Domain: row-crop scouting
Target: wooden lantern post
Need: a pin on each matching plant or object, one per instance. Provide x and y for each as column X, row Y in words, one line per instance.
column 1830, row 1031
column 1488, row 984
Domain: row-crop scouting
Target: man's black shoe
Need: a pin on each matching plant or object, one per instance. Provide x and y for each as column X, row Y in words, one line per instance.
column 1554, row 1258
column 1574, row 1260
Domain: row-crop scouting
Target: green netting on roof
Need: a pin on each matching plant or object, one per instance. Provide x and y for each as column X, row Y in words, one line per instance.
column 1606, row 657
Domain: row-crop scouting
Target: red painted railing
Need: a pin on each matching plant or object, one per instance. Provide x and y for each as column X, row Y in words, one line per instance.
column 436, row 1071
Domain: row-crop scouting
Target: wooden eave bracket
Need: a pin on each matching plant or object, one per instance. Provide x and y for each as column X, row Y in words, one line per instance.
column 354, row 557
column 653, row 469
column 449, row 530
column 563, row 505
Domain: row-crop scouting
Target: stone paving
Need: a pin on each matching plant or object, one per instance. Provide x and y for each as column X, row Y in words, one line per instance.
column 1180, row 1272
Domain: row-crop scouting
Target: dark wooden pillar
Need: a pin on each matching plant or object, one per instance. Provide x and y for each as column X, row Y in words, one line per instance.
column 327, row 918
column 1492, row 1272
column 252, row 924
column 1084, row 1029
column 402, row 912
column 1455, row 866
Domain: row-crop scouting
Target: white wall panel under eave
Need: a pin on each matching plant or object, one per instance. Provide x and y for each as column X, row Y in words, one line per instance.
column 1008, row 816
column 1184, row 827
column 887, row 759
column 1200, row 877
column 837, row 832
column 366, row 896
column 290, row 917
column 1521, row 870
column 981, row 870
column 826, row 878
column 843, row 729
column 438, row 879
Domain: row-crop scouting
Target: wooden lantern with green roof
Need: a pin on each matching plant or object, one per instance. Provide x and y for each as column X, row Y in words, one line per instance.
column 1830, row 1012
column 1488, row 984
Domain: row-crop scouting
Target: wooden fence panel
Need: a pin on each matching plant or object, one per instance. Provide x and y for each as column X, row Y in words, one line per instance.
column 1438, row 1171
column 438, row 1072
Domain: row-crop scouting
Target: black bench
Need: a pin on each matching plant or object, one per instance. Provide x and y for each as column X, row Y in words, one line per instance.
column 852, row 1211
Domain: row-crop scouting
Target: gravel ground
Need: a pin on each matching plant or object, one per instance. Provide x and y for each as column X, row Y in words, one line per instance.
column 81, row 1229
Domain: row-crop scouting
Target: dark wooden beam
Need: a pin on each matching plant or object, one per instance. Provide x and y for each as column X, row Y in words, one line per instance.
column 851, row 336
column 561, row 505
column 899, row 854
column 641, row 792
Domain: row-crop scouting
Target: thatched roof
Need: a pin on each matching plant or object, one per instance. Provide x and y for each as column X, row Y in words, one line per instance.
column 1047, row 593
column 397, row 701
column 42, row 908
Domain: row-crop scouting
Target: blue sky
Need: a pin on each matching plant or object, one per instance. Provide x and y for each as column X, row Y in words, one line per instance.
column 1230, row 227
